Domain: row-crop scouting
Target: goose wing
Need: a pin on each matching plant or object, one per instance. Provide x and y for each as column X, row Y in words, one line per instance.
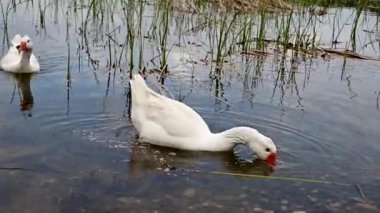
column 11, row 60
column 35, row 66
column 173, row 117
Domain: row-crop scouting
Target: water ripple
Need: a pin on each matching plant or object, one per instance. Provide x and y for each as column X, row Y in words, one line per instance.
column 294, row 143
column 113, row 131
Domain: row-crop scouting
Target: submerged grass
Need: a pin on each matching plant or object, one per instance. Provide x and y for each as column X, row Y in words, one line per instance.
column 304, row 180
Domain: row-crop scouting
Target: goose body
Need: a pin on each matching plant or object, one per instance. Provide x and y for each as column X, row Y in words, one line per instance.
column 162, row 121
column 20, row 57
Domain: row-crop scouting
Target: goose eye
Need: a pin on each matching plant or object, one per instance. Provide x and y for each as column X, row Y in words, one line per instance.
column 18, row 46
column 267, row 149
column 28, row 41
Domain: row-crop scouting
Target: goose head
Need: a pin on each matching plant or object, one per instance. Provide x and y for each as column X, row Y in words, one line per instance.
column 260, row 144
column 22, row 44
column 263, row 146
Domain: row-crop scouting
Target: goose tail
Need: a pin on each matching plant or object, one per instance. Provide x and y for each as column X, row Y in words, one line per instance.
column 138, row 86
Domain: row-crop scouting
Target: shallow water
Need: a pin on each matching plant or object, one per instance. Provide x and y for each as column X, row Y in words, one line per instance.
column 67, row 144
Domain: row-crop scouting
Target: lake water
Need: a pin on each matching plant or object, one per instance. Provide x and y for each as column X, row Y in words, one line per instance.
column 67, row 144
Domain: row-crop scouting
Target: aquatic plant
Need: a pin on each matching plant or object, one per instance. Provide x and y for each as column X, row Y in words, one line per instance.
column 286, row 35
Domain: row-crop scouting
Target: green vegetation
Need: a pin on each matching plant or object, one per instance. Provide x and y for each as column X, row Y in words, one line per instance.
column 140, row 35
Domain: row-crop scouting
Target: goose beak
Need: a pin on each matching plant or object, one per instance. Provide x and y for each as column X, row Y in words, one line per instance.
column 23, row 46
column 271, row 159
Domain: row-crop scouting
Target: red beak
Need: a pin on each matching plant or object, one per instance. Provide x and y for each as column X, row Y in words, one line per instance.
column 271, row 159
column 23, row 46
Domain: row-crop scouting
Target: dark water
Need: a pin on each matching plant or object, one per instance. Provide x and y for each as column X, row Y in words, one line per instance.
column 67, row 144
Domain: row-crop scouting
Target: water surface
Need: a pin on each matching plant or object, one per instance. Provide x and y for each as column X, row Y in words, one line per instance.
column 67, row 144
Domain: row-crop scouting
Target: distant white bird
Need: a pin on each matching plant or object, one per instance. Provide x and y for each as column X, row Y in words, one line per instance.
column 20, row 57
column 162, row 121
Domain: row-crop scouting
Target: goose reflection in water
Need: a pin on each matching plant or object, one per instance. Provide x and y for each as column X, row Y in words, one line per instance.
column 22, row 86
column 145, row 158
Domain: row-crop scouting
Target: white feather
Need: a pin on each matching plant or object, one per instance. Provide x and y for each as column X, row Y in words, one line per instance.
column 162, row 121
column 16, row 40
column 20, row 62
column 158, row 117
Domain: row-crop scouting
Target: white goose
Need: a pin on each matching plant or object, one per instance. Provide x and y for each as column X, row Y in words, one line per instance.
column 165, row 122
column 20, row 57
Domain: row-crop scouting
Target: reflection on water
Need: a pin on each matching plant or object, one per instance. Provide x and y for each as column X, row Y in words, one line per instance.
column 22, row 86
column 144, row 158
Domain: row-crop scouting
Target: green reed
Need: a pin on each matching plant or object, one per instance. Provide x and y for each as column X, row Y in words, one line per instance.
column 246, row 34
column 261, row 32
column 222, row 33
column 129, row 15
column 141, row 36
column 360, row 7
column 42, row 10
column 5, row 11
column 284, row 32
column 163, row 11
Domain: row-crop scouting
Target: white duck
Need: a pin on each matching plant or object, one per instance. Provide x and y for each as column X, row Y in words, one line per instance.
column 20, row 57
column 165, row 122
